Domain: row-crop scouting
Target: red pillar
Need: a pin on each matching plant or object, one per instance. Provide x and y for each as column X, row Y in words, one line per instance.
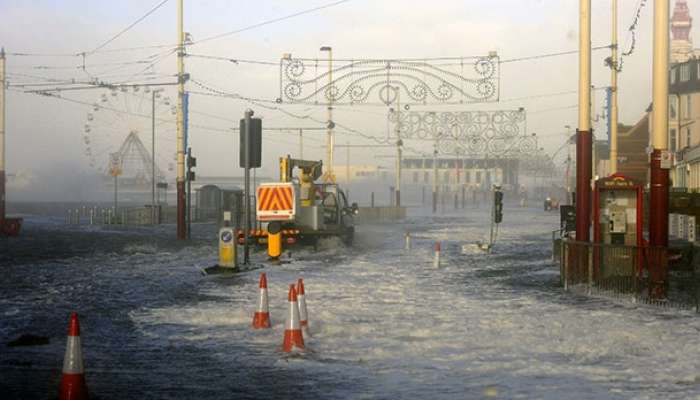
column 658, row 224
column 584, row 153
column 181, row 226
column 2, row 200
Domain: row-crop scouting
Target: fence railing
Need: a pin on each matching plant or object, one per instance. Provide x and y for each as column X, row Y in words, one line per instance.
column 640, row 273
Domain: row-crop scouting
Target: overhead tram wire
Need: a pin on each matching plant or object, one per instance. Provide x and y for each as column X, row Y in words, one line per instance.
column 110, row 40
column 233, row 60
column 100, row 49
column 269, row 21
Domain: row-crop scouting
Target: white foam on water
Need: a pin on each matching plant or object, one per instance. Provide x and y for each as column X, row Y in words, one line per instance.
column 378, row 314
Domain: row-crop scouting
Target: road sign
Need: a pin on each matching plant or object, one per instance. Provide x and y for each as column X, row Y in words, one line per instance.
column 665, row 159
column 276, row 202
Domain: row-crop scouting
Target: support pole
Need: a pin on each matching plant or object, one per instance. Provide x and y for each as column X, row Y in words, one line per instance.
column 399, row 143
column 153, row 157
column 301, row 144
column 435, row 178
column 583, row 135
column 246, row 200
column 347, row 165
column 189, row 199
column 116, row 186
column 2, row 139
column 329, row 176
column 659, row 179
column 613, row 94
column 181, row 200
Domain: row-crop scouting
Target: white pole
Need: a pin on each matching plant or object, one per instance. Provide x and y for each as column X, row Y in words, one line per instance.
column 660, row 75
column 613, row 99
column 584, row 87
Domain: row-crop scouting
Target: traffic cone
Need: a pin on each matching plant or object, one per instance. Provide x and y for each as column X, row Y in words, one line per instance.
column 261, row 319
column 292, row 331
column 303, row 314
column 436, row 260
column 73, row 385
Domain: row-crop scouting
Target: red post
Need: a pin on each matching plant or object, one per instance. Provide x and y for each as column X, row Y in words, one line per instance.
column 658, row 222
column 2, row 200
column 584, row 161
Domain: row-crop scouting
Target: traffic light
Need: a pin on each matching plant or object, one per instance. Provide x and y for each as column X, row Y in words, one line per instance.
column 497, row 206
column 191, row 163
column 254, row 145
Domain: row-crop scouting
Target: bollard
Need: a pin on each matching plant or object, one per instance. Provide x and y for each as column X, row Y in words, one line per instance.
column 372, row 200
column 274, row 240
column 407, row 239
column 104, row 216
column 464, row 194
column 92, row 217
column 77, row 216
column 69, row 217
column 227, row 248
column 456, row 203
column 436, row 260
column 109, row 216
column 590, row 268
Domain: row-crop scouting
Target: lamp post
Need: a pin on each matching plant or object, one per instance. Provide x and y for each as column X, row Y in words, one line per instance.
column 330, row 143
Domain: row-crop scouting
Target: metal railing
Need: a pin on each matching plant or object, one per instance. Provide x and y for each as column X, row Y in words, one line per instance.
column 641, row 274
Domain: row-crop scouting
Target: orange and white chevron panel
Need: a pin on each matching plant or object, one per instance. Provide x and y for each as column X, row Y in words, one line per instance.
column 276, row 202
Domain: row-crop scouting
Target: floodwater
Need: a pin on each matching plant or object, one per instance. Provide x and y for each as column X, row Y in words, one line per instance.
column 385, row 324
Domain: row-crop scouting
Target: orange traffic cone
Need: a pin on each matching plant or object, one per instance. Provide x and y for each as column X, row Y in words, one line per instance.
column 292, row 330
column 73, row 385
column 261, row 319
column 303, row 314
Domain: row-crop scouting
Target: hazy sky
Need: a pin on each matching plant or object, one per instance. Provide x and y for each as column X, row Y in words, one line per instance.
column 45, row 135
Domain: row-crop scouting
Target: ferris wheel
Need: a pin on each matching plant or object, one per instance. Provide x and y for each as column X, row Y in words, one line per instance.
column 117, row 136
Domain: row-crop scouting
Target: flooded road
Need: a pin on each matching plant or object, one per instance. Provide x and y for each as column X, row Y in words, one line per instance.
column 384, row 322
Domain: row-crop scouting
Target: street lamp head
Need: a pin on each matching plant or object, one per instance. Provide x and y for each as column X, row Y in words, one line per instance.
column 325, row 48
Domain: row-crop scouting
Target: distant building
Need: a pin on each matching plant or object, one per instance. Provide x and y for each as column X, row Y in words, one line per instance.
column 355, row 173
column 453, row 174
column 684, row 123
column 681, row 42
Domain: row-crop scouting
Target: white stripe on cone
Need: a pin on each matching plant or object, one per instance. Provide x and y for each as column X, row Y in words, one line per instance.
column 73, row 359
column 293, row 336
column 263, row 305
